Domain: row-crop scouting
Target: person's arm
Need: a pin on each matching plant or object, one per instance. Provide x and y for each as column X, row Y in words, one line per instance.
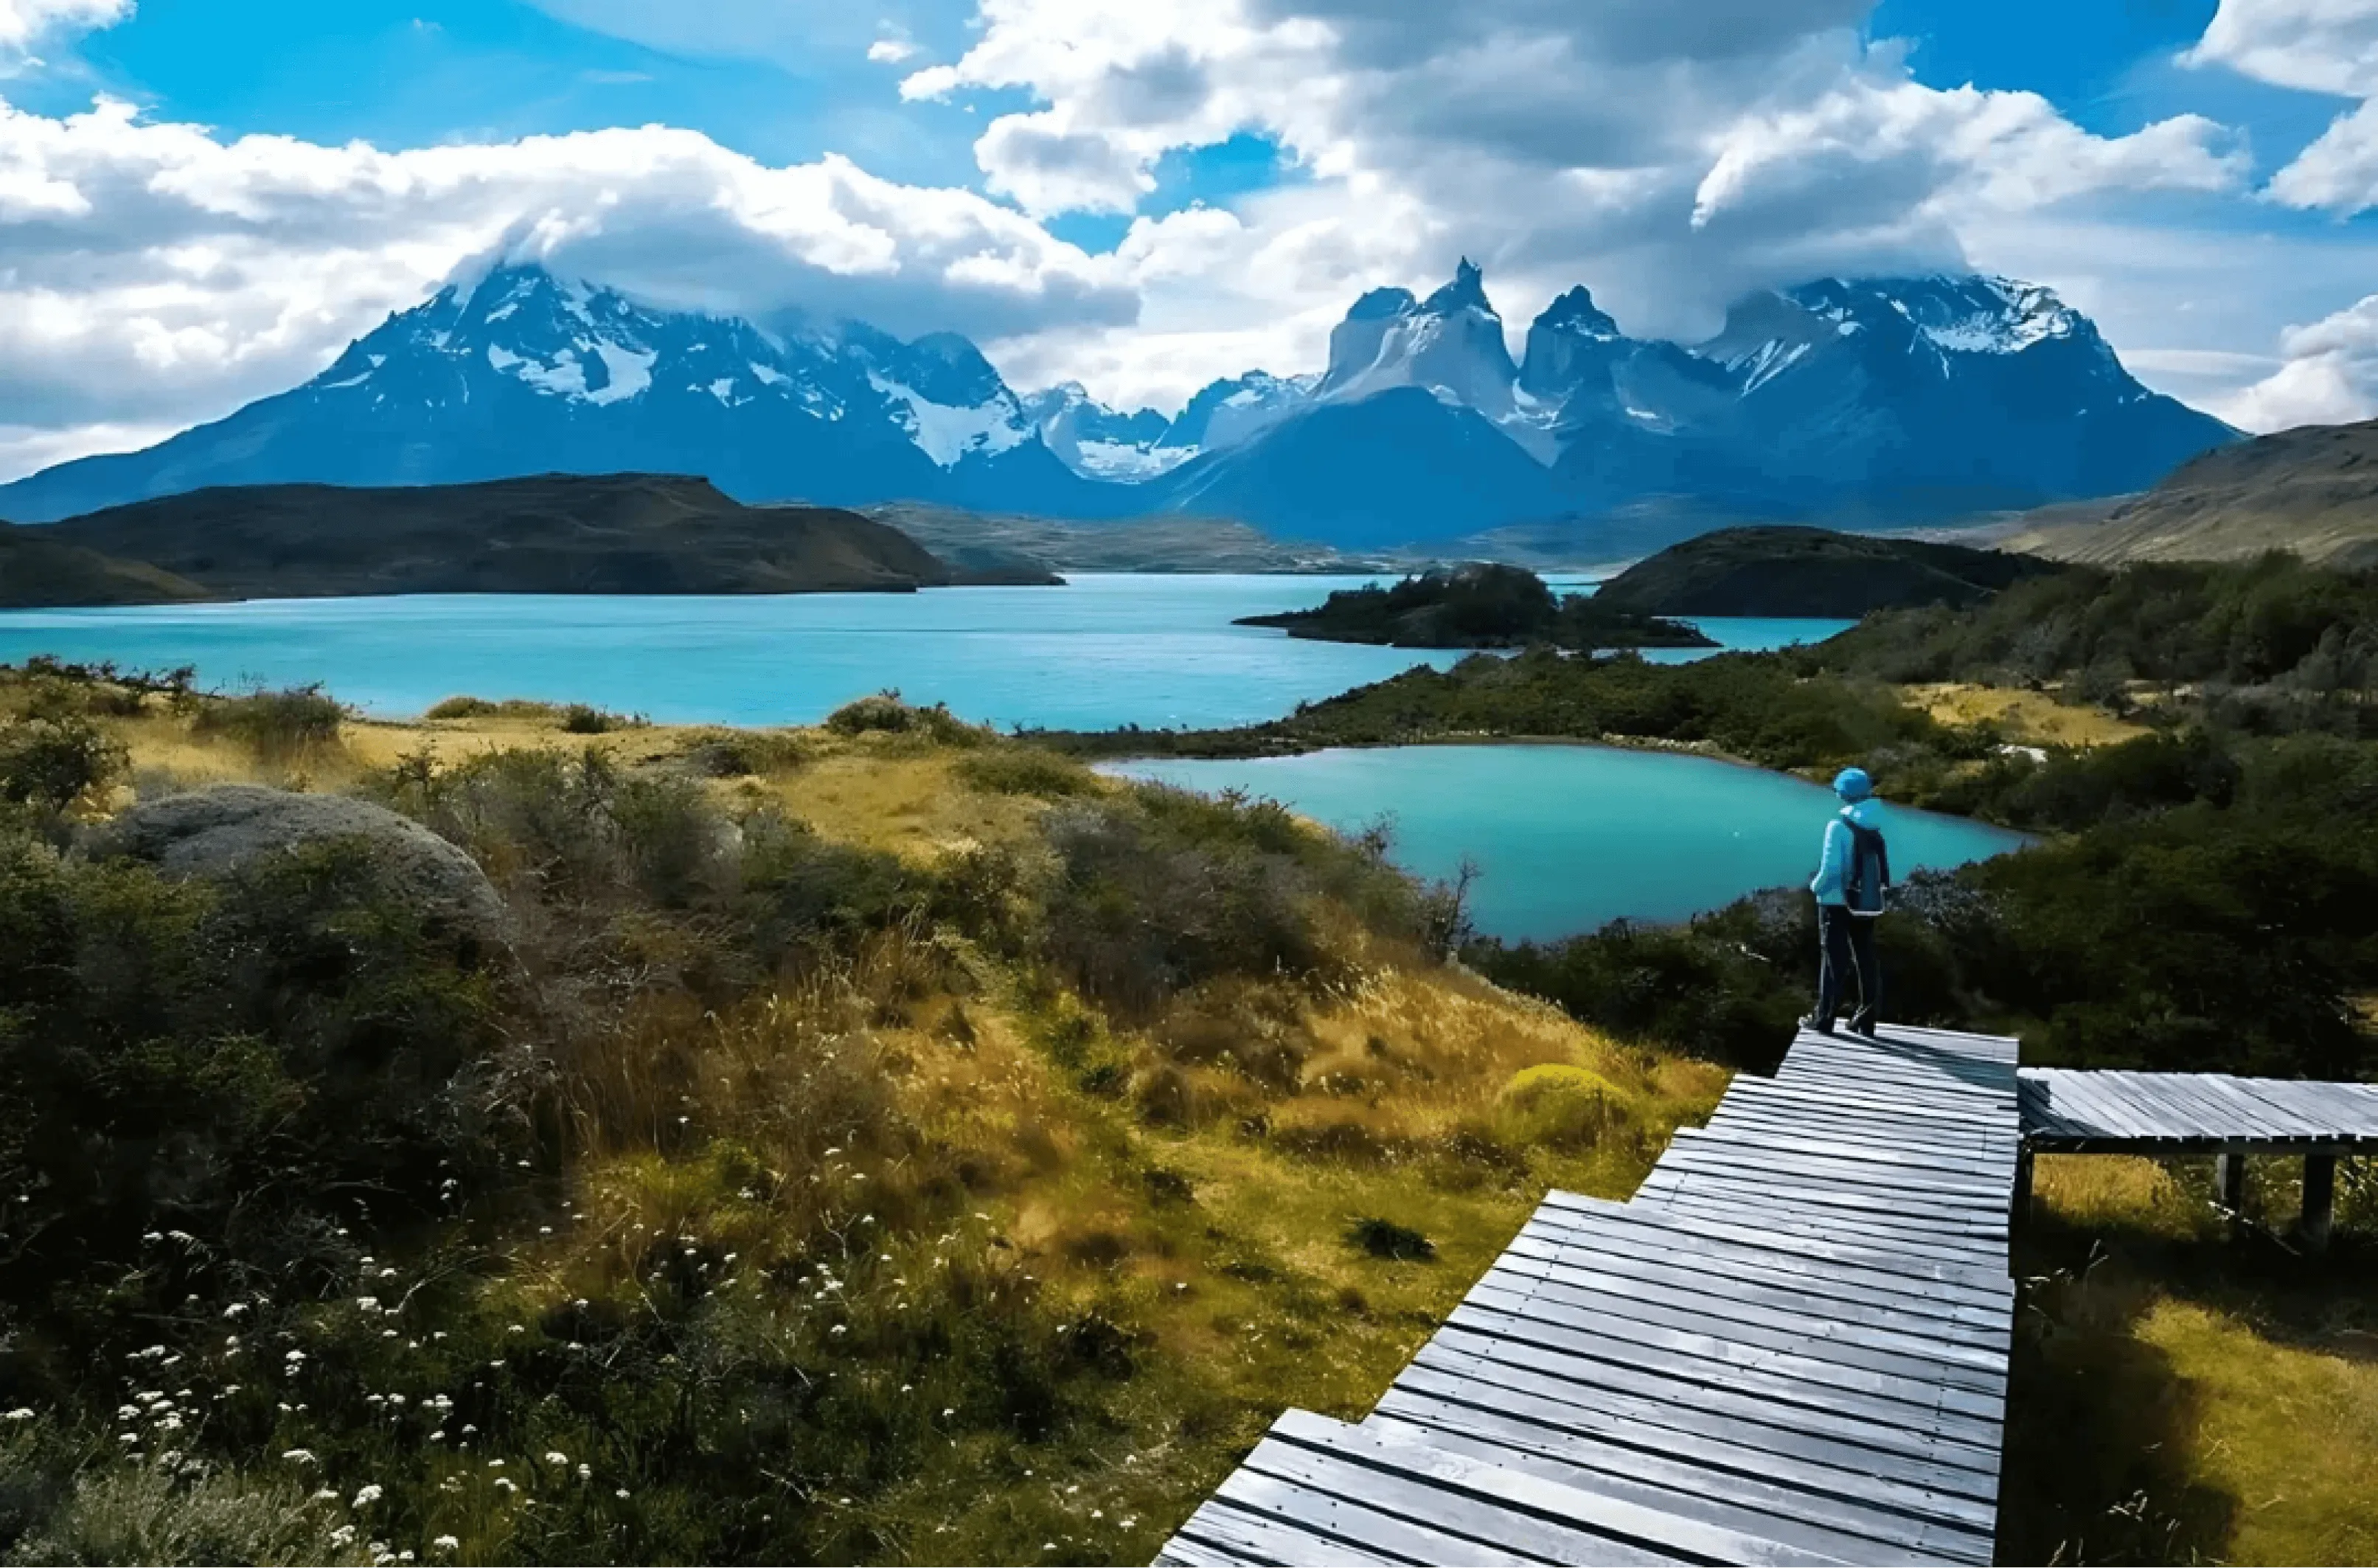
column 1833, row 862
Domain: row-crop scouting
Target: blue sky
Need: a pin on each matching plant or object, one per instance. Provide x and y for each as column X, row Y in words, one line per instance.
column 1145, row 196
column 409, row 73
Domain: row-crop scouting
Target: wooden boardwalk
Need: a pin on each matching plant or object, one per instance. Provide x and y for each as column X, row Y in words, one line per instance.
column 2195, row 1113
column 1789, row 1347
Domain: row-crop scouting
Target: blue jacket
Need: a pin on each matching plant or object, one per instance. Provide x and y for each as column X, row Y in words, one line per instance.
column 1831, row 885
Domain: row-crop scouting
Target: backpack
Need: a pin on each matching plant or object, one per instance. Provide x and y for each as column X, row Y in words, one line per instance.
column 1868, row 878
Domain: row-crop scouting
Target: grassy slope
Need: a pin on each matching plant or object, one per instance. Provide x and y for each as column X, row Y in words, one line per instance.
column 2179, row 1396
column 1232, row 1259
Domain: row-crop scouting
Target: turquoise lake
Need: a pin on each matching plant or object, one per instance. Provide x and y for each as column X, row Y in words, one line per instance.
column 1567, row 838
column 1108, row 650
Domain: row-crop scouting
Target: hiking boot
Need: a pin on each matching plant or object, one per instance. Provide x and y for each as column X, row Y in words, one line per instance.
column 1862, row 1026
column 1822, row 1027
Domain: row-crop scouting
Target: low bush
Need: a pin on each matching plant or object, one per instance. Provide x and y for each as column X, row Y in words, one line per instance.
column 482, row 708
column 885, row 714
column 1016, row 769
column 276, row 726
column 52, row 764
column 579, row 719
column 1386, row 1239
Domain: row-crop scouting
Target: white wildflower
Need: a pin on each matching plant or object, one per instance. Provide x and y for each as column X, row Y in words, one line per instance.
column 344, row 1536
column 301, row 1457
column 505, row 1484
column 366, row 1497
column 556, row 1456
column 21, row 1413
column 446, row 1543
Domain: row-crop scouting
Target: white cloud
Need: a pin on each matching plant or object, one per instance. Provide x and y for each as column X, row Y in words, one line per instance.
column 2315, row 46
column 157, row 272
column 2329, row 375
column 24, row 23
column 891, row 51
column 2324, row 46
column 1671, row 155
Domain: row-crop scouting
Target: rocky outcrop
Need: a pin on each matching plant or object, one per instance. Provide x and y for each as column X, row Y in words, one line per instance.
column 224, row 832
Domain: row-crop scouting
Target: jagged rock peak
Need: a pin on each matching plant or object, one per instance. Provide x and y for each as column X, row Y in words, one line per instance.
column 1467, row 291
column 1383, row 305
column 1576, row 313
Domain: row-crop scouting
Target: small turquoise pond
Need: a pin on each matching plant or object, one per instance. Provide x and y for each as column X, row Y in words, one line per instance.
column 1568, row 838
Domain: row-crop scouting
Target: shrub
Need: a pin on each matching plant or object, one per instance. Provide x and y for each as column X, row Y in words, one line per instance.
column 579, row 719
column 145, row 1513
column 277, row 727
column 238, row 1061
column 54, row 762
column 1025, row 770
column 1386, row 1239
column 746, row 753
column 885, row 714
column 463, row 708
column 1143, row 909
column 1562, row 1104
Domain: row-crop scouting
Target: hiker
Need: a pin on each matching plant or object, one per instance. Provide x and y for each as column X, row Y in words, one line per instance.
column 1851, row 878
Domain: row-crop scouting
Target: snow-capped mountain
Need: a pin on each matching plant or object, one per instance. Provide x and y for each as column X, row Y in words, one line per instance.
column 1875, row 400
column 1100, row 442
column 1879, row 400
column 1234, row 411
column 520, row 371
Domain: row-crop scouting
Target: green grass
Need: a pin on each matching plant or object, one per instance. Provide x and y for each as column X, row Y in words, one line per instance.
column 2183, row 1396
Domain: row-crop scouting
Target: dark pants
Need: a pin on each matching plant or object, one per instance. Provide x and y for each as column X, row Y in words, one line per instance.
column 1848, row 943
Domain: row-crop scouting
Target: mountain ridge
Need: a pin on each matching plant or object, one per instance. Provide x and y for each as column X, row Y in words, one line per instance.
column 1900, row 400
column 542, row 534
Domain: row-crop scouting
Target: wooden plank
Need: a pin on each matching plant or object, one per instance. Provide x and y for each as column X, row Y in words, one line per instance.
column 1748, row 1116
column 1895, row 1209
column 1946, row 1068
column 2195, row 1106
column 1912, row 1063
column 1978, row 1303
column 1944, row 1184
column 1222, row 1532
column 2243, row 1109
column 1975, row 1168
column 1181, row 1553
column 1649, row 1258
column 1706, row 1357
column 1813, row 1523
column 1791, row 1241
column 1891, row 1212
column 1912, row 1086
column 1785, row 1456
column 2278, row 1106
column 1819, row 1335
column 1279, row 1484
column 1742, row 1342
column 1750, row 1417
column 2089, row 1105
column 1507, row 1509
column 1840, row 1225
column 1850, row 1101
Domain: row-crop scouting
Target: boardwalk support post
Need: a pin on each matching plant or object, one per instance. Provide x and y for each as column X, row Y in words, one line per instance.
column 2021, row 1206
column 2319, row 1200
column 2229, row 1187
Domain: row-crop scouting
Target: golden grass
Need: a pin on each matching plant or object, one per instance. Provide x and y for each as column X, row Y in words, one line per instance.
column 1220, row 1234
column 2031, row 718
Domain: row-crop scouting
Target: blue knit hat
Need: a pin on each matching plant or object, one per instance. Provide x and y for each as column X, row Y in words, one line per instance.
column 1852, row 784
